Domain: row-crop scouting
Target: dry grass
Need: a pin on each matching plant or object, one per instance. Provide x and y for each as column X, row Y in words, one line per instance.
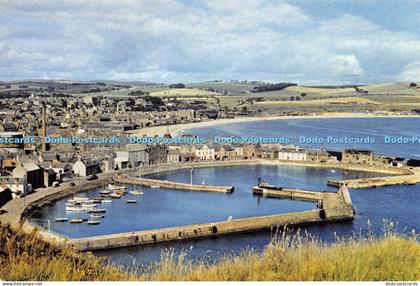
column 306, row 259
column 292, row 257
column 24, row 257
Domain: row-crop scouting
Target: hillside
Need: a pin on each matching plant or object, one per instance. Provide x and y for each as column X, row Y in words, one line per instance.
column 392, row 258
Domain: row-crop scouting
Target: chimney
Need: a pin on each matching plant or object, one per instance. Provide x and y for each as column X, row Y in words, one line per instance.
column 44, row 129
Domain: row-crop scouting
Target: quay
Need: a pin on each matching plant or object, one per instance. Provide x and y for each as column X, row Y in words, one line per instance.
column 409, row 179
column 172, row 185
column 334, row 204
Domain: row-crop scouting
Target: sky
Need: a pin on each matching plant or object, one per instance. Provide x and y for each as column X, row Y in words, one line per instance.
column 302, row 41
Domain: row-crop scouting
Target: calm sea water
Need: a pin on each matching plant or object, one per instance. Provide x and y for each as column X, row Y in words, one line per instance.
column 165, row 208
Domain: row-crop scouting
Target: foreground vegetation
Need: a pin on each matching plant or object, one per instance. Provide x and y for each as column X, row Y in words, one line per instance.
column 390, row 257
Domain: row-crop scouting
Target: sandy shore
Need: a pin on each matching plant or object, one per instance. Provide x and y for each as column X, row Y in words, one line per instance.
column 175, row 130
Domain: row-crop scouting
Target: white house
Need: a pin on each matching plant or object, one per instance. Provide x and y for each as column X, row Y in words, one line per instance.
column 203, row 152
column 292, row 154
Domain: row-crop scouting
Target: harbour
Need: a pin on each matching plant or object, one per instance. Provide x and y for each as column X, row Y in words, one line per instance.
column 208, row 180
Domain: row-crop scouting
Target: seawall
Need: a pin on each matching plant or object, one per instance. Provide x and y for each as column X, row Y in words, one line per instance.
column 173, row 185
column 196, row 231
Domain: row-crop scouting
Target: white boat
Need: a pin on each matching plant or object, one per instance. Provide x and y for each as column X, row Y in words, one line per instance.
column 104, row 192
column 155, row 186
column 106, row 201
column 332, row 171
column 114, row 187
column 75, row 209
column 61, row 219
column 89, row 205
column 131, row 201
column 136, row 193
column 97, row 216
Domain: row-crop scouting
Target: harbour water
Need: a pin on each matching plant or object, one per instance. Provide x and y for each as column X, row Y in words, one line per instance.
column 165, row 208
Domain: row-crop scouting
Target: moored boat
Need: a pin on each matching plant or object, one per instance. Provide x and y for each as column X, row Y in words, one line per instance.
column 107, row 201
column 89, row 205
column 115, row 196
column 75, row 209
column 97, row 216
column 61, row 219
column 131, row 201
column 136, row 193
column 114, row 187
column 93, row 222
column 76, row 220
column 96, row 210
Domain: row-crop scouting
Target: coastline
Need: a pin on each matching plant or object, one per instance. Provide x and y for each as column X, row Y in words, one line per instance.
column 176, row 129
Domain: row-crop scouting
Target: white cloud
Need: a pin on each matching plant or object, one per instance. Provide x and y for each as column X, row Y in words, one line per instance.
column 166, row 40
column 411, row 72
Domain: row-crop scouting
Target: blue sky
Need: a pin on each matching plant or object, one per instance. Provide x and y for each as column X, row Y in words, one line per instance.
column 304, row 41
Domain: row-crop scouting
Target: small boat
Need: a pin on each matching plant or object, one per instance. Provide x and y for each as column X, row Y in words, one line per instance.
column 131, row 201
column 107, row 201
column 75, row 209
column 96, row 210
column 115, row 196
column 61, row 219
column 155, row 186
column 93, row 222
column 104, row 192
column 113, row 187
column 332, row 171
column 71, row 204
column 76, row 220
column 89, row 205
column 136, row 193
column 97, row 216
column 98, row 199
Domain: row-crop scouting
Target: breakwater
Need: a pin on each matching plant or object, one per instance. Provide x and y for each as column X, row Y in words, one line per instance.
column 172, row 185
column 195, row 231
column 409, row 179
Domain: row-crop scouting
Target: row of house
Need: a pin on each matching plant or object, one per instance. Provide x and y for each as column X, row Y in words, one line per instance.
column 22, row 176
